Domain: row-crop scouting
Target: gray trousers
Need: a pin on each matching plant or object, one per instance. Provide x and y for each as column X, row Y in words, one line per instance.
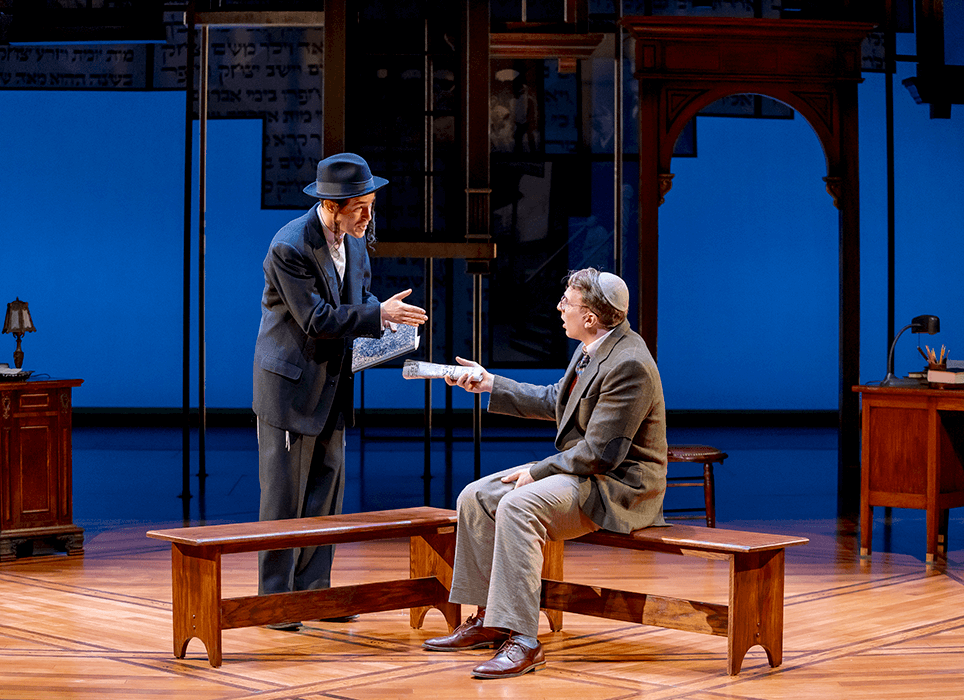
column 498, row 546
column 301, row 476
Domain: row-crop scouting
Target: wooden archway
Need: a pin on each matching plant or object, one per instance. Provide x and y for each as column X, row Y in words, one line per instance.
column 683, row 64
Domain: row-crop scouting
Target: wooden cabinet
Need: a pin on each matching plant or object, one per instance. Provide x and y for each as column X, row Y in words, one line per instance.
column 912, row 457
column 36, row 490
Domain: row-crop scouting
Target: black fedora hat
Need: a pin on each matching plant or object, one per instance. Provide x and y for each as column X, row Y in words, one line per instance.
column 343, row 176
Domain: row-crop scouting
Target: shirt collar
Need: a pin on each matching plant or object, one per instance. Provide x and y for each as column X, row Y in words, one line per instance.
column 594, row 345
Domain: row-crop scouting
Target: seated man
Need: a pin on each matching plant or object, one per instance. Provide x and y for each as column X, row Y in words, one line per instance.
column 609, row 472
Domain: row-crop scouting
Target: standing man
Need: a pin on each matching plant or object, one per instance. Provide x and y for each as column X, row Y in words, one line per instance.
column 316, row 300
column 609, row 472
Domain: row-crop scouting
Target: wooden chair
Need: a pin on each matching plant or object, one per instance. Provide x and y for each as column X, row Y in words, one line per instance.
column 695, row 454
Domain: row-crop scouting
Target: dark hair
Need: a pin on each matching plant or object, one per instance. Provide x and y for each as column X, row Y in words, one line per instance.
column 586, row 282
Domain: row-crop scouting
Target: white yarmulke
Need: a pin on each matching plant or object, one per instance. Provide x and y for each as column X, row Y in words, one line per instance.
column 615, row 291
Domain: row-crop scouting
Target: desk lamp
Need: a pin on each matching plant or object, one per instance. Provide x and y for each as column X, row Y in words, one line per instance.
column 18, row 322
column 918, row 324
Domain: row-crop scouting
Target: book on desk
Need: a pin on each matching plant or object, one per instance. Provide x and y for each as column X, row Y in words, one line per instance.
column 953, row 373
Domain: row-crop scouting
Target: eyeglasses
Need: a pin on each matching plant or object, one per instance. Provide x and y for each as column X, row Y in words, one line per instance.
column 565, row 304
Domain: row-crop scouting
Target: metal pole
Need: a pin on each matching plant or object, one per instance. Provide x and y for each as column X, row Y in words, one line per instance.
column 476, row 153
column 477, row 356
column 889, row 70
column 186, row 312
column 202, row 208
column 427, row 339
column 618, row 147
column 427, row 215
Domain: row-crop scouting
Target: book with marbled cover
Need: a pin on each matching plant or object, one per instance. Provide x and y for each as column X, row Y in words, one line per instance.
column 369, row 352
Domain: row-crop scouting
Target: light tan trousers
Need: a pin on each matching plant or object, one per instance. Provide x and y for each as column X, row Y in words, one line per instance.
column 499, row 541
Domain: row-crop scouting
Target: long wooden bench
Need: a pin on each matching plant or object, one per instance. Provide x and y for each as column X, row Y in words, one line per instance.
column 200, row 611
column 753, row 615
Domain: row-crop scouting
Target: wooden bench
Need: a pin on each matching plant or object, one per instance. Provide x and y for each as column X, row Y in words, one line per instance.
column 754, row 614
column 200, row 611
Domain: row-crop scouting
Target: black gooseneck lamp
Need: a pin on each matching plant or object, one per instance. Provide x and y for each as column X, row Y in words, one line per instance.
column 918, row 324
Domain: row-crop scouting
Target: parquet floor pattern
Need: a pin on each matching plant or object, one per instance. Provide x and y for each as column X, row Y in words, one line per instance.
column 99, row 626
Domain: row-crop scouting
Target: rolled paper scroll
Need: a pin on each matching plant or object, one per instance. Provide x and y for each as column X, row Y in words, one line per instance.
column 416, row 369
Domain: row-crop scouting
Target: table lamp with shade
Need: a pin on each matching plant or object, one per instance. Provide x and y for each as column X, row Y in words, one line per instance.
column 18, row 322
column 918, row 324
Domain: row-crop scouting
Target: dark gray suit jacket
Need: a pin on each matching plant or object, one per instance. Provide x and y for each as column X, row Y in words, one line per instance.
column 611, row 430
column 302, row 358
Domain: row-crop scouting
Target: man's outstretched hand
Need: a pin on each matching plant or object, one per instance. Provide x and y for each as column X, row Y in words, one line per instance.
column 395, row 310
column 467, row 382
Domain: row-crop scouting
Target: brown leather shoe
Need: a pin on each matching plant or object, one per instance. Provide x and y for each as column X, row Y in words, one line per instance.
column 469, row 635
column 513, row 659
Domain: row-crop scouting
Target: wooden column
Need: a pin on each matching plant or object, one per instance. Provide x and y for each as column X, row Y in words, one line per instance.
column 649, row 200
column 848, row 449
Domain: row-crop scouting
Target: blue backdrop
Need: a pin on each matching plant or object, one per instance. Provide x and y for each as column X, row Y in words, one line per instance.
column 91, row 194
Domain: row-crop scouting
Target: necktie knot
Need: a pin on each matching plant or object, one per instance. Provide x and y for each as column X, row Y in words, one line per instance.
column 583, row 362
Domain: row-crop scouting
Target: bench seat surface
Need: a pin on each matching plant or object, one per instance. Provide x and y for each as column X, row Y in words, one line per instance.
column 329, row 529
column 695, row 537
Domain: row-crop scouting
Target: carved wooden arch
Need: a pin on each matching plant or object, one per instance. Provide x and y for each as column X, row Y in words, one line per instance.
column 816, row 108
column 686, row 63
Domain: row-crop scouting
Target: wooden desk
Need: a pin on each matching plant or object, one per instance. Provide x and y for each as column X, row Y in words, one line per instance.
column 912, row 456
column 36, row 489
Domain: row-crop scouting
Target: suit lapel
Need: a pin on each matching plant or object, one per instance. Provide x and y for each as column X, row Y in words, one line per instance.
column 323, row 256
column 567, row 400
column 587, row 377
column 352, row 253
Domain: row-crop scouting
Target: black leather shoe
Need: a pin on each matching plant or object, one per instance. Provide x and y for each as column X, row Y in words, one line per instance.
column 469, row 635
column 513, row 659
column 285, row 626
column 346, row 618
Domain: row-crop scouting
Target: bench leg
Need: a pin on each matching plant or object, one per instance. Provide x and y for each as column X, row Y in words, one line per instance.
column 756, row 607
column 552, row 568
column 196, row 599
column 434, row 555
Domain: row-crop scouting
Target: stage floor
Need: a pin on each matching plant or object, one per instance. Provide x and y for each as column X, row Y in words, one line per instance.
column 100, row 625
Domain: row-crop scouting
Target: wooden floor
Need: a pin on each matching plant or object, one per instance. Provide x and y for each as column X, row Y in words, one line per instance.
column 99, row 626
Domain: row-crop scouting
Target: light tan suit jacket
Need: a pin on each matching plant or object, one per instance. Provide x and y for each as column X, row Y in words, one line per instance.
column 611, row 430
